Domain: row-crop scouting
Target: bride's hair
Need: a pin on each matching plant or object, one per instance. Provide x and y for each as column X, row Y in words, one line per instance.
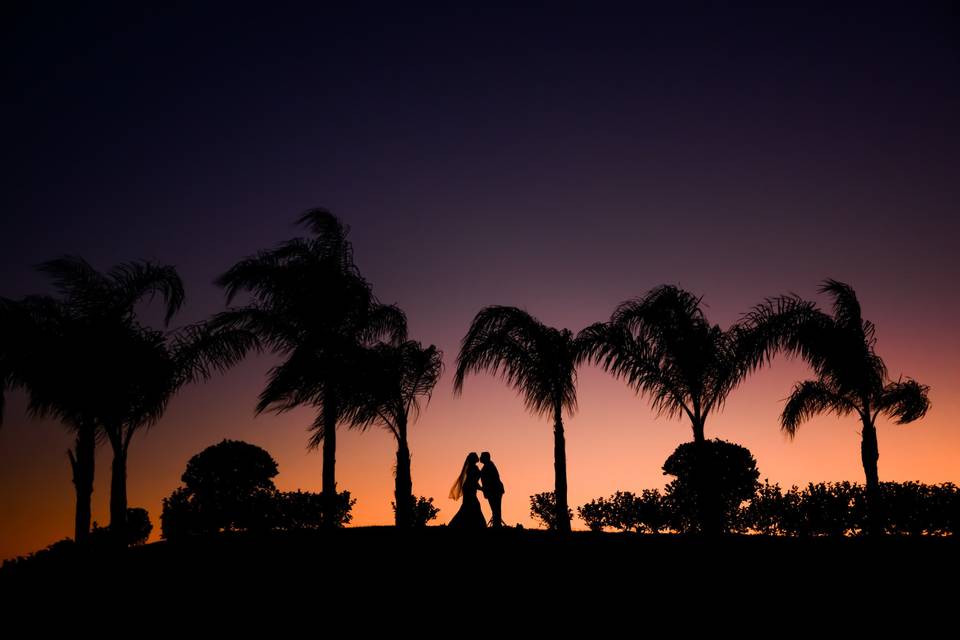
column 457, row 489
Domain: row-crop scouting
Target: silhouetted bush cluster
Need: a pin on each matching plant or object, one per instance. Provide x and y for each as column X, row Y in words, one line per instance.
column 423, row 510
column 823, row 509
column 840, row 508
column 303, row 510
column 138, row 528
column 229, row 487
column 543, row 507
column 625, row 511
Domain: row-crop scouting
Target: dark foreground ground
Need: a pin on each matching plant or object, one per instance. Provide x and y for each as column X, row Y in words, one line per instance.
column 588, row 578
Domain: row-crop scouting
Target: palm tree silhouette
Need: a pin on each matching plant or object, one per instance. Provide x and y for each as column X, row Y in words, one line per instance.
column 150, row 367
column 46, row 351
column 664, row 347
column 395, row 379
column 540, row 362
column 86, row 360
column 850, row 376
column 310, row 304
column 106, row 303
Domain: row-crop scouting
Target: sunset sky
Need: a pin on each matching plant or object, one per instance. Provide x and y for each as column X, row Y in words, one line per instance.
column 561, row 160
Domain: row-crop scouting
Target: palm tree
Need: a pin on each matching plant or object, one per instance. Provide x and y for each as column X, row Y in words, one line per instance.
column 396, row 378
column 310, row 305
column 540, row 362
column 850, row 376
column 62, row 352
column 86, row 360
column 44, row 350
column 664, row 347
column 147, row 368
column 105, row 304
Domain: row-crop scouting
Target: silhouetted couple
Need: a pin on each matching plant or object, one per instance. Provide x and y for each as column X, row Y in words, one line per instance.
column 471, row 479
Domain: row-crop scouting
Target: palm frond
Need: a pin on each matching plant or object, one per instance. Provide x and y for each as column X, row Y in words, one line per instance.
column 846, row 307
column 297, row 381
column 272, row 329
column 771, row 328
column 904, row 401
column 73, row 275
column 808, row 399
column 384, row 321
column 132, row 281
column 536, row 360
column 199, row 350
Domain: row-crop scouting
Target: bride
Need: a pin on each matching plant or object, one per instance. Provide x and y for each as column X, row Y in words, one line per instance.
column 468, row 482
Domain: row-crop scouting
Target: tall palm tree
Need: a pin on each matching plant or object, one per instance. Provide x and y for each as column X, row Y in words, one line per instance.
column 309, row 304
column 148, row 367
column 45, row 350
column 396, row 378
column 664, row 347
column 850, row 376
column 540, row 362
column 85, row 359
column 62, row 354
column 105, row 303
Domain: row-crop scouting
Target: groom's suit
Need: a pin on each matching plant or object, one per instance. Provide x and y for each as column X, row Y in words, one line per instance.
column 492, row 490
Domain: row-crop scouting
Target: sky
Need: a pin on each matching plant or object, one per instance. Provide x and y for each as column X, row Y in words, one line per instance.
column 560, row 158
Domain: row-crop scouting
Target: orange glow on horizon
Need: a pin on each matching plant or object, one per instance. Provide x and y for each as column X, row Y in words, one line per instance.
column 613, row 442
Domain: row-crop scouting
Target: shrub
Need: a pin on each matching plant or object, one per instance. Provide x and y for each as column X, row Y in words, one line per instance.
column 138, row 528
column 712, row 479
column 303, row 510
column 764, row 512
column 653, row 513
column 229, row 487
column 543, row 507
column 423, row 510
column 595, row 514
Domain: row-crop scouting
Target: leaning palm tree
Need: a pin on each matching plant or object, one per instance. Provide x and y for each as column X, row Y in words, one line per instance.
column 45, row 351
column 310, row 305
column 850, row 377
column 540, row 362
column 664, row 347
column 395, row 378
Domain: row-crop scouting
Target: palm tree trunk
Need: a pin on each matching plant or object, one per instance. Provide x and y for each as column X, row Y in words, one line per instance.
column 698, row 428
column 118, row 494
column 560, row 471
column 82, row 464
column 869, row 455
column 329, row 488
column 403, row 495
column 707, row 502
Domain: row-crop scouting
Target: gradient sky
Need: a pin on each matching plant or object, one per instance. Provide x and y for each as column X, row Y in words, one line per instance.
column 559, row 160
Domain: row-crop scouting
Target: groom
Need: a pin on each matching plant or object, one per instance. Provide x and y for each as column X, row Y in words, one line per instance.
column 492, row 487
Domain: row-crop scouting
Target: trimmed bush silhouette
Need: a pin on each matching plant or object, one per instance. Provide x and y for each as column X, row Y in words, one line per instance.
column 840, row 509
column 137, row 530
column 229, row 487
column 765, row 513
column 422, row 510
column 712, row 479
column 627, row 511
column 595, row 514
column 543, row 507
column 304, row 510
